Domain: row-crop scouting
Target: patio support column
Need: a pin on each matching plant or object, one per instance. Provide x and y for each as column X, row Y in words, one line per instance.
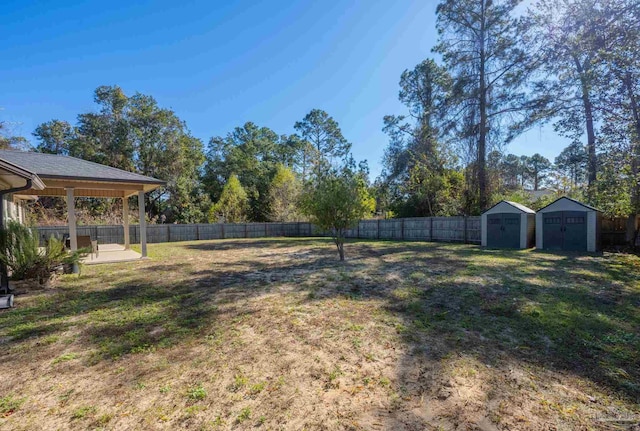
column 125, row 222
column 71, row 219
column 143, row 224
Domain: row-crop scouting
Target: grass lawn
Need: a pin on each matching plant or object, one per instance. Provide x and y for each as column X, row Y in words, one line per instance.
column 277, row 334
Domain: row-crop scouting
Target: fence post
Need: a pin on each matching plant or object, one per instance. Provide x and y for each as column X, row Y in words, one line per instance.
column 358, row 234
column 378, row 229
column 265, row 230
column 402, row 228
column 222, row 230
column 430, row 228
column 465, row 236
column 168, row 233
column 197, row 232
column 245, row 231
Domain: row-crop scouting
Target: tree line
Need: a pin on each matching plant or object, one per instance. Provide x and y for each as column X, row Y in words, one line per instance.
column 250, row 174
column 501, row 70
column 498, row 70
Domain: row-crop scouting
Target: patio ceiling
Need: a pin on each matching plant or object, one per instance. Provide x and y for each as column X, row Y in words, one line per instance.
column 92, row 189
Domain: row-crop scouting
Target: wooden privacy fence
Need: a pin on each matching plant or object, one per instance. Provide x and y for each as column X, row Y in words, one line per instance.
column 613, row 231
column 449, row 229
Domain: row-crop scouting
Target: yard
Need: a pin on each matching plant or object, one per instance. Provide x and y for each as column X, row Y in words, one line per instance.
column 277, row 334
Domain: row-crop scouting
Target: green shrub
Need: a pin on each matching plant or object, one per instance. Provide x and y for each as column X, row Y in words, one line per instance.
column 20, row 252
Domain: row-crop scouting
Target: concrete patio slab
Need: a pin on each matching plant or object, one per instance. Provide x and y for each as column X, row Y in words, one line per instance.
column 112, row 253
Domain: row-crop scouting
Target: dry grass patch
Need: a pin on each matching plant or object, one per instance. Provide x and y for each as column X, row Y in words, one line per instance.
column 277, row 334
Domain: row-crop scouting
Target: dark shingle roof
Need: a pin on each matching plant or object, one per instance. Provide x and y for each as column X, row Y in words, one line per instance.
column 55, row 166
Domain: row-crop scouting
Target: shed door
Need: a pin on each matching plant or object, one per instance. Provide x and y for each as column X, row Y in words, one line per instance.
column 511, row 230
column 503, row 230
column 575, row 230
column 552, row 230
column 494, row 230
column 565, row 230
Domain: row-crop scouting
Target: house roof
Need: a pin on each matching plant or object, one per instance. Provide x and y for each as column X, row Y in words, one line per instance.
column 53, row 166
column 572, row 200
column 12, row 176
column 521, row 207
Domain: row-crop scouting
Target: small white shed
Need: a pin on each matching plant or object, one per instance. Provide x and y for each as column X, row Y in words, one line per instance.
column 568, row 225
column 508, row 225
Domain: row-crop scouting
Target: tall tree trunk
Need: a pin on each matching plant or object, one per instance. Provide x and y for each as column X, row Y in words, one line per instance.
column 632, row 228
column 482, row 138
column 591, row 142
column 592, row 162
column 304, row 164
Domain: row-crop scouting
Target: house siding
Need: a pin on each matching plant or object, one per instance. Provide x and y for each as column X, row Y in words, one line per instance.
column 13, row 210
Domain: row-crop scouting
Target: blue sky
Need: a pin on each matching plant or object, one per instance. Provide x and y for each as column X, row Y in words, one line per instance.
column 219, row 64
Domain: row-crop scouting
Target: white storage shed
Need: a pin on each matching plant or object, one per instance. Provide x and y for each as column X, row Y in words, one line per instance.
column 508, row 225
column 568, row 225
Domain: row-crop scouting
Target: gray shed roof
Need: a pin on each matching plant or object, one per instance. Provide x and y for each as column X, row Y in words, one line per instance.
column 521, row 207
column 55, row 166
column 572, row 200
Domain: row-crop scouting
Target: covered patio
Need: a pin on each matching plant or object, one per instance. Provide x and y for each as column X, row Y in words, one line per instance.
column 70, row 177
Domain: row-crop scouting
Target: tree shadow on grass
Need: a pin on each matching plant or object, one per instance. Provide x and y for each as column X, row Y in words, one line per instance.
column 249, row 243
column 573, row 314
column 138, row 315
column 569, row 313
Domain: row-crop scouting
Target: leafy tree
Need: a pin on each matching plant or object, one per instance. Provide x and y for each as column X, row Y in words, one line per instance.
column 525, row 171
column 135, row 134
column 335, row 200
column 612, row 192
column 510, row 171
column 494, row 165
column 284, row 194
column 233, row 204
column 9, row 141
column 104, row 137
column 54, row 137
column 435, row 193
column 416, row 162
column 539, row 168
column 325, row 137
column 480, row 47
column 570, row 37
column 165, row 149
column 527, row 199
column 253, row 154
column 423, row 91
column 620, row 85
column 290, row 151
column 572, row 162
column 14, row 143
